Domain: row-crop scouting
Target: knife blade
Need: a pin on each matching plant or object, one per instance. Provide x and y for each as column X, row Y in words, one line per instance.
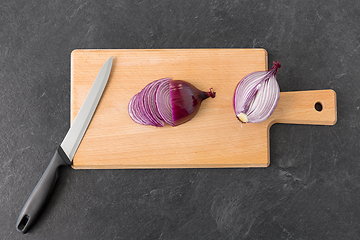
column 65, row 152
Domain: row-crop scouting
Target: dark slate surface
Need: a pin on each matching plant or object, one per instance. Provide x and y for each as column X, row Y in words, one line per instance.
column 311, row 190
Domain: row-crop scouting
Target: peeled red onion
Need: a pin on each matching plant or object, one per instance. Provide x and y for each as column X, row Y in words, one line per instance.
column 256, row 95
column 171, row 101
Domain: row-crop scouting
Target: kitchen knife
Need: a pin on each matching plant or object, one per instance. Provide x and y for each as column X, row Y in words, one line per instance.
column 65, row 152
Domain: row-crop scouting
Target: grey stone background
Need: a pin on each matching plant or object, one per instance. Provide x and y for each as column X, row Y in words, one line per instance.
column 311, row 190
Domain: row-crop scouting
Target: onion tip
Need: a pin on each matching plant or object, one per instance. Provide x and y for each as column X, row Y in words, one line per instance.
column 211, row 93
column 276, row 66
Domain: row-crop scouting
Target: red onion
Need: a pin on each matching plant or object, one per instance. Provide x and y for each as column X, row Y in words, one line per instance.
column 257, row 95
column 171, row 101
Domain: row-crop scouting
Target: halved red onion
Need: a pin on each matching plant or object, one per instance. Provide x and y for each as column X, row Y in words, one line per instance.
column 171, row 101
column 257, row 95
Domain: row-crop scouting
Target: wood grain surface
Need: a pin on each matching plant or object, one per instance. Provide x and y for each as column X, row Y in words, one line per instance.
column 213, row 139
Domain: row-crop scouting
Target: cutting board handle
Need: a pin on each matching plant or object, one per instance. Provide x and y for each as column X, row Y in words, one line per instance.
column 317, row 107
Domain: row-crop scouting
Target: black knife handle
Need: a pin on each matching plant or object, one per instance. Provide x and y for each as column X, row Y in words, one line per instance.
column 41, row 192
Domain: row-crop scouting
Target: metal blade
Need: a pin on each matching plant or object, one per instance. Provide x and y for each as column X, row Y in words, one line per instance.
column 75, row 134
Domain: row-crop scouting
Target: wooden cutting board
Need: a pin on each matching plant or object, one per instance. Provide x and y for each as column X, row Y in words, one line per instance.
column 213, row 139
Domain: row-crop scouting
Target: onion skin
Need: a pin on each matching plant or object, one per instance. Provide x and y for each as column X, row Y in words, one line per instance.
column 256, row 95
column 186, row 100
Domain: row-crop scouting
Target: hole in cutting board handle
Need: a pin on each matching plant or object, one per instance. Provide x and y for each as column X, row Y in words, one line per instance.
column 318, row 106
